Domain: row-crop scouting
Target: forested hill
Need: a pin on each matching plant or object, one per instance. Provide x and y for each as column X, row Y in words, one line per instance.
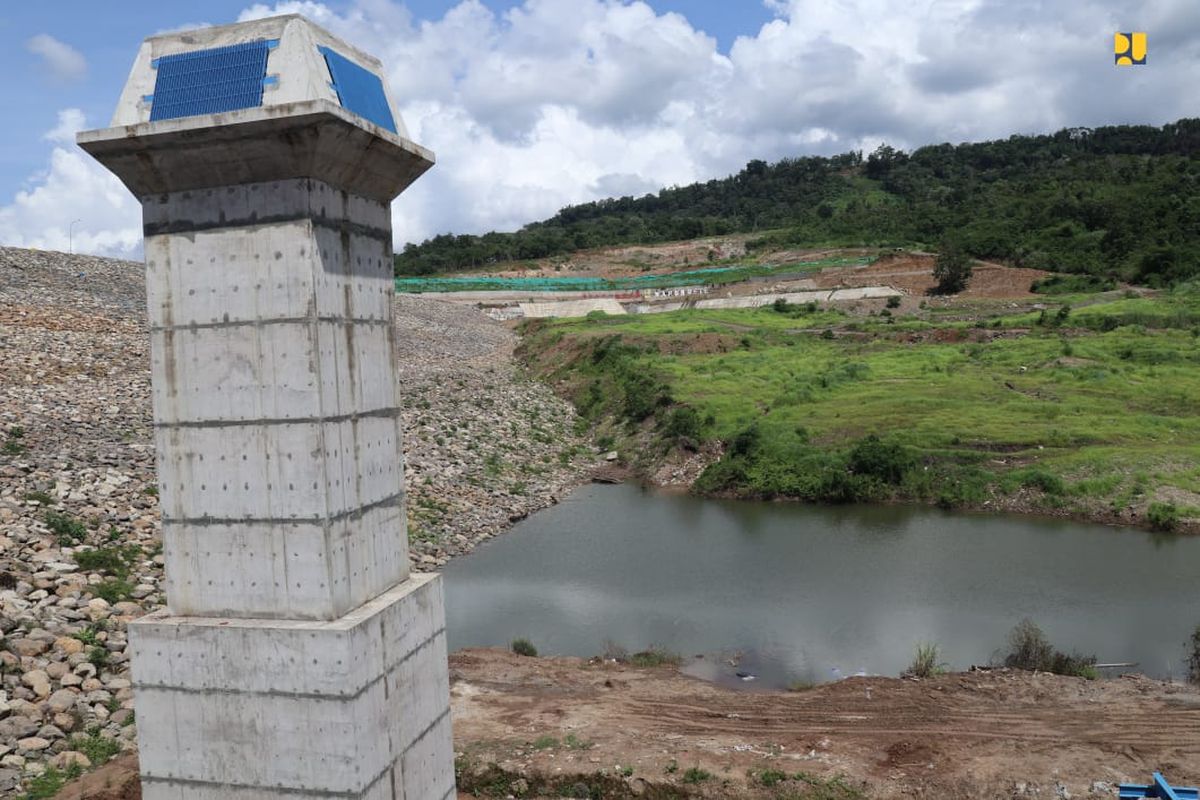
column 1121, row 201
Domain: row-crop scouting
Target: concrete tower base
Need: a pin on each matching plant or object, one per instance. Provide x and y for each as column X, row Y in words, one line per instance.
column 269, row 708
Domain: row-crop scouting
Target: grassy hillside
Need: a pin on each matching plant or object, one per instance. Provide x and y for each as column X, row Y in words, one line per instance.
column 1089, row 411
column 1115, row 201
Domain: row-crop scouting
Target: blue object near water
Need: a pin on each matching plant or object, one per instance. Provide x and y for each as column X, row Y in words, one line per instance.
column 210, row 81
column 359, row 90
column 1159, row 788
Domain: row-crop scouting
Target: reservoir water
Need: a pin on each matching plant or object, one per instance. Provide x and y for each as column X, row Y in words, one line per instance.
column 789, row 592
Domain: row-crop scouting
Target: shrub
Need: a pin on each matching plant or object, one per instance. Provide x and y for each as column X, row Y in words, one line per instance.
column 40, row 497
column 925, row 663
column 893, row 301
column 877, row 459
column 1071, row 284
column 682, row 423
column 1162, row 516
column 746, row 442
column 655, row 657
column 1193, row 656
column 524, row 647
column 696, row 775
column 1030, row 649
column 69, row 530
column 770, row 777
column 1037, row 478
column 573, row 742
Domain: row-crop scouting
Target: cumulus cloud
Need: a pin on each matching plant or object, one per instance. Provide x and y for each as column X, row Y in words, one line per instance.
column 64, row 62
column 554, row 102
column 70, row 122
column 73, row 189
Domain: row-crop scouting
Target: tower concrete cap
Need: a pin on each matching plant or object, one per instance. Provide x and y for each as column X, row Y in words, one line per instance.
column 303, row 124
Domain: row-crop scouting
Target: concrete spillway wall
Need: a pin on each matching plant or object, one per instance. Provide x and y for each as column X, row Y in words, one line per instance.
column 581, row 308
column 571, row 308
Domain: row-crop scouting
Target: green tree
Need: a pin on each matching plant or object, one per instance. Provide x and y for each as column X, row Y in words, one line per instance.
column 952, row 270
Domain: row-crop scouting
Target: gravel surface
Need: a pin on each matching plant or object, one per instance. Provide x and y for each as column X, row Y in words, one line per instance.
column 80, row 541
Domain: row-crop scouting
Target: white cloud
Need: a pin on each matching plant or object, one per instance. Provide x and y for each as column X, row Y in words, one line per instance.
column 65, row 62
column 74, row 189
column 70, row 122
column 562, row 101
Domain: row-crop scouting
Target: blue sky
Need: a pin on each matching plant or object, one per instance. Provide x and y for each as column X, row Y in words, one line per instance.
column 535, row 104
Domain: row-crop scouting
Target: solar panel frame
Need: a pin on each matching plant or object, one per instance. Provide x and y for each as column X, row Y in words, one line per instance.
column 359, row 90
column 210, row 81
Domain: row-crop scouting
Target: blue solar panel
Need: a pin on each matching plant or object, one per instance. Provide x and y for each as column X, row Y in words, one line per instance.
column 359, row 90
column 210, row 81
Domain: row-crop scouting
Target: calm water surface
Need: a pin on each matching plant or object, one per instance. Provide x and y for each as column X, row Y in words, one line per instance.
column 790, row 592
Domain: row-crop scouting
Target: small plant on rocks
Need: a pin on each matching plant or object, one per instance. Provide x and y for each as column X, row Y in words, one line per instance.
column 114, row 590
column 50, row 782
column 98, row 748
column 696, row 775
column 69, row 530
column 97, row 656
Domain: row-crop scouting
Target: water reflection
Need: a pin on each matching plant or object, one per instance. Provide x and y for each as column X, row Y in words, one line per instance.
column 800, row 593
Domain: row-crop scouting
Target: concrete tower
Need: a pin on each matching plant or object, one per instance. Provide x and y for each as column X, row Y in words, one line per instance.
column 297, row 655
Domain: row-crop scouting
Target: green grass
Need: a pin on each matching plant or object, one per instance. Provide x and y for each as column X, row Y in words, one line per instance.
column 1103, row 426
column 655, row 657
column 50, row 782
column 926, row 662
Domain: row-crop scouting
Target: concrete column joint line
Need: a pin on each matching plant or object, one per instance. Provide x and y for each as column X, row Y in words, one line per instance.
column 254, row 221
column 379, row 413
column 428, row 728
column 282, row 790
column 258, row 323
column 356, row 513
column 387, row 670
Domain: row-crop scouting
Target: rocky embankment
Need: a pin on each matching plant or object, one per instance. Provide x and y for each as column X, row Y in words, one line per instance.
column 80, row 541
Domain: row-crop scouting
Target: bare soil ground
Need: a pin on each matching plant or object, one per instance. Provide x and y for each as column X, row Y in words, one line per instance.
column 538, row 727
column 910, row 272
column 979, row 734
column 913, row 274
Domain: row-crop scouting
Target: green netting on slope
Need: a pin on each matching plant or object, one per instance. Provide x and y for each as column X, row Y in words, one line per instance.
column 568, row 283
